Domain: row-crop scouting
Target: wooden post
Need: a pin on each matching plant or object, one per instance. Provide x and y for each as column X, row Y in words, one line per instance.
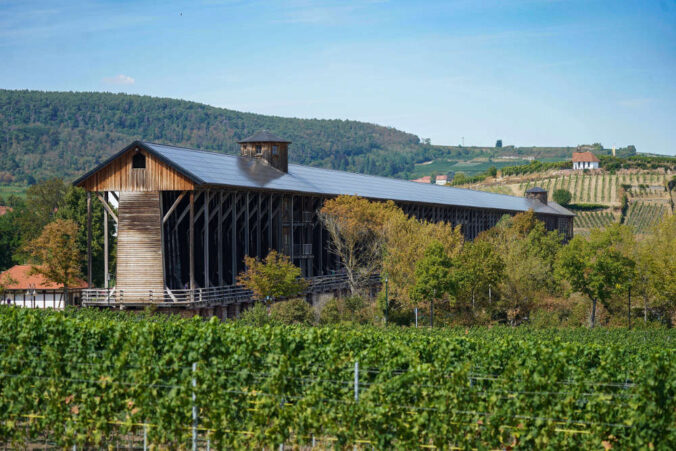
column 246, row 227
column 206, row 239
column 233, row 236
column 191, row 239
column 219, row 238
column 105, row 244
column 259, row 232
column 89, row 239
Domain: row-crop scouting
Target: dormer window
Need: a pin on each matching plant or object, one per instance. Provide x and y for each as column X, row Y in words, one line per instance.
column 259, row 149
column 138, row 161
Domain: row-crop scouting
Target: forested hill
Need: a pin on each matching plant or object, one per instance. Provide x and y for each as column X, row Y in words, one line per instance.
column 47, row 134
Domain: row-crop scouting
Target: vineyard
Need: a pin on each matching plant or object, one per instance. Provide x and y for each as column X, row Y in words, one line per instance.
column 642, row 215
column 597, row 188
column 594, row 219
column 94, row 379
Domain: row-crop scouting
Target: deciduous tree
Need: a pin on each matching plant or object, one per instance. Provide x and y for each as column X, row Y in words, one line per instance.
column 56, row 254
column 356, row 227
column 434, row 278
column 272, row 278
column 596, row 266
column 480, row 266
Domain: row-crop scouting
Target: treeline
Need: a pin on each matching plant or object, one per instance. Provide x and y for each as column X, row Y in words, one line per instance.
column 515, row 273
column 43, row 134
column 47, row 202
column 610, row 163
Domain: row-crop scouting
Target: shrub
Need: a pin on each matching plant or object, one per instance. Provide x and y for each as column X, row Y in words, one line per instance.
column 293, row 311
column 562, row 196
column 353, row 309
column 256, row 315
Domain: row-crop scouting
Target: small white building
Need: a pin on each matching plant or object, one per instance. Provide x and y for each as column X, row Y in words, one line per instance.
column 21, row 287
column 585, row 160
column 441, row 179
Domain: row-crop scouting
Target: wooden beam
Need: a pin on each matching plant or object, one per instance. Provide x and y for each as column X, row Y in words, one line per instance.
column 162, row 242
column 219, row 238
column 106, row 206
column 173, row 206
column 233, row 236
column 205, row 240
column 191, row 239
column 259, row 231
column 89, row 239
column 105, row 244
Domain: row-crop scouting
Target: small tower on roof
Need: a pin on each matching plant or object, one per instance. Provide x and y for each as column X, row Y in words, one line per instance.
column 266, row 146
column 537, row 193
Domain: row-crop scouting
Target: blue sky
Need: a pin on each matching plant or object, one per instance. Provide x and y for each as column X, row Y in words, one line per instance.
column 531, row 72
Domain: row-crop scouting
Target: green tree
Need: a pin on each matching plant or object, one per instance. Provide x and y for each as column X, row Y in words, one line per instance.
column 56, row 255
column 434, row 278
column 272, row 278
column 498, row 143
column 75, row 208
column 480, row 267
column 528, row 251
column 596, row 266
column 562, row 196
column 43, row 201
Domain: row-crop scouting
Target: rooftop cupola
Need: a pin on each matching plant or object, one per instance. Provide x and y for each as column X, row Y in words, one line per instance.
column 537, row 193
column 268, row 147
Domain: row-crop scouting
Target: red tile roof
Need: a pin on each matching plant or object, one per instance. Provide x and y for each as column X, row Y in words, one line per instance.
column 426, row 179
column 22, row 279
column 584, row 157
column 4, row 210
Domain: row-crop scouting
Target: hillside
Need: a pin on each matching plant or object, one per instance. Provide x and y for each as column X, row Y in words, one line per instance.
column 597, row 196
column 46, row 134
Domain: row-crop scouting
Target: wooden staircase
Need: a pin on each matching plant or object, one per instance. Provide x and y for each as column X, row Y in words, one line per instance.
column 139, row 245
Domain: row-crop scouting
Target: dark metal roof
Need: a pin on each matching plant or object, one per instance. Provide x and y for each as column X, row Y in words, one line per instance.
column 536, row 189
column 210, row 168
column 263, row 136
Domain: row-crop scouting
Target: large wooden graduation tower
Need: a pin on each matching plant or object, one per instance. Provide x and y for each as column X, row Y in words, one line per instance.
column 186, row 218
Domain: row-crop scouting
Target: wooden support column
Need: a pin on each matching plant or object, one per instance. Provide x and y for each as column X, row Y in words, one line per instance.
column 259, row 231
column 246, row 227
column 269, row 222
column 206, row 239
column 105, row 243
column 89, row 239
column 163, row 251
column 219, row 238
column 292, row 231
column 233, row 236
column 191, row 239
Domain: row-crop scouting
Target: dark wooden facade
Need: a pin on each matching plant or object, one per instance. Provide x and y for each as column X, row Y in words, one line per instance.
column 179, row 235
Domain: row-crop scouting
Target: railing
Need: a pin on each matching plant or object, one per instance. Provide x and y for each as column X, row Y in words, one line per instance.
column 223, row 295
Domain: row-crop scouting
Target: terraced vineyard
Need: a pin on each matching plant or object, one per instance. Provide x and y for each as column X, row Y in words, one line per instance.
column 643, row 215
column 594, row 219
column 597, row 188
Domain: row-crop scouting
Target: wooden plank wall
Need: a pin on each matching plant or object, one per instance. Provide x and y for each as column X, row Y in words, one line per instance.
column 120, row 176
column 139, row 243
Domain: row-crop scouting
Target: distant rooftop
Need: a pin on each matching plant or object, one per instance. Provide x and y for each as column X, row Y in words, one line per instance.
column 585, row 157
column 263, row 136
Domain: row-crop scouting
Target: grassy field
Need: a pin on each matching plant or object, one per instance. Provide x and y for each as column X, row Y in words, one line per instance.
column 8, row 190
column 469, row 167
